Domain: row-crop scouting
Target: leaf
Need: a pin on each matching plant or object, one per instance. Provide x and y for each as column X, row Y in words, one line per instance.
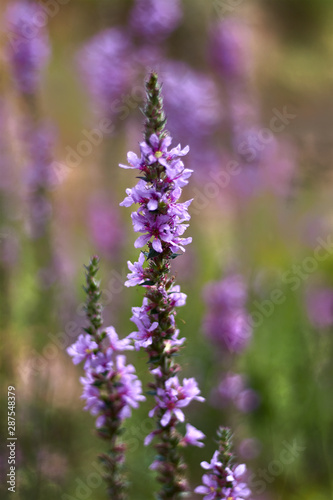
column 152, row 253
column 147, row 283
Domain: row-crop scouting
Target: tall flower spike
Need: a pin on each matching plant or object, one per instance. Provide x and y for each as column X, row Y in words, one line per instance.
column 110, row 386
column 223, row 480
column 160, row 217
column 28, row 48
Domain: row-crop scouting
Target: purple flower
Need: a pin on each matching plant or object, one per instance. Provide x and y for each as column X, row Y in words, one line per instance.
column 223, row 483
column 199, row 112
column 165, row 230
column 130, row 387
column 175, row 397
column 144, row 336
column 209, row 488
column 28, row 46
column 105, row 226
column 105, row 64
column 228, row 293
column 40, row 175
column 177, row 298
column 226, row 321
column 248, row 400
column 41, row 141
column 193, row 436
column 230, row 48
column 83, row 349
column 320, row 307
column 213, row 463
column 231, row 386
column 239, row 489
column 113, row 341
column 137, row 275
column 160, row 218
column 249, row 448
column 91, row 394
column 154, row 20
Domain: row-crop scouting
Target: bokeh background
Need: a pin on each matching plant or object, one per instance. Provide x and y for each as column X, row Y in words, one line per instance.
column 248, row 85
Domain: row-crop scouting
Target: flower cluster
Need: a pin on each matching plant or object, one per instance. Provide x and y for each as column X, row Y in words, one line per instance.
column 160, row 215
column 162, row 220
column 110, row 386
column 227, row 323
column 223, row 481
column 105, row 369
column 28, row 46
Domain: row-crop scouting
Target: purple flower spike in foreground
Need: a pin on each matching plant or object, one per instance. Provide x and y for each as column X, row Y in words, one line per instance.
column 110, row 387
column 155, row 19
column 223, row 481
column 162, row 220
column 27, row 44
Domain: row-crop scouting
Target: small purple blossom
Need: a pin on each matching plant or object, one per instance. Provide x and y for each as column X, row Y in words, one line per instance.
column 112, row 341
column 155, row 20
column 193, row 436
column 213, row 463
column 82, row 350
column 144, row 336
column 175, row 397
column 137, row 274
column 28, row 45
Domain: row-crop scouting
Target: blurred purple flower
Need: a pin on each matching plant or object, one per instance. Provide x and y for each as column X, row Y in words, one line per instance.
column 248, row 400
column 155, row 20
column 230, row 48
column 28, row 45
column 228, row 293
column 233, row 389
column 231, row 386
column 227, row 322
column 105, row 65
column 249, row 448
column 105, row 227
column 40, row 176
column 40, row 142
column 199, row 112
column 319, row 303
